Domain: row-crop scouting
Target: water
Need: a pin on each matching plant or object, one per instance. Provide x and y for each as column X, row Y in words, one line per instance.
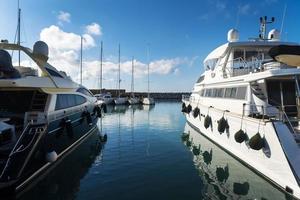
column 145, row 157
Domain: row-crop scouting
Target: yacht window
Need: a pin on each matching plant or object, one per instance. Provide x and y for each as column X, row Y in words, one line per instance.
column 53, row 73
column 227, row 92
column 200, row 79
column 233, row 93
column 202, row 93
column 250, row 55
column 238, row 53
column 241, row 92
column 220, row 92
column 68, row 100
column 210, row 64
column 213, row 92
column 80, row 99
column 85, row 92
column 208, row 92
column 61, row 101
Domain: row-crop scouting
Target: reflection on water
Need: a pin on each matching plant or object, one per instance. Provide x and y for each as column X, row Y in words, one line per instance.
column 144, row 158
column 64, row 180
column 224, row 177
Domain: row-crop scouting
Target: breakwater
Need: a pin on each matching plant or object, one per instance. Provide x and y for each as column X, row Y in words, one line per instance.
column 155, row 95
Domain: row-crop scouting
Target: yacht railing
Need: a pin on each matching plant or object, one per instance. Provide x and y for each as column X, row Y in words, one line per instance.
column 239, row 66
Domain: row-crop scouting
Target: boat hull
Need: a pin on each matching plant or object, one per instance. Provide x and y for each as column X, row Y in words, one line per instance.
column 271, row 162
column 57, row 139
column 120, row 100
column 133, row 100
column 148, row 101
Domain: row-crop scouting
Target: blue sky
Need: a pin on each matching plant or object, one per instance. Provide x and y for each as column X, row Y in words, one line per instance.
column 179, row 34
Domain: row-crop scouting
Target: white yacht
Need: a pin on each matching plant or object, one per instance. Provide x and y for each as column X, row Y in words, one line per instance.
column 105, row 98
column 42, row 118
column 247, row 101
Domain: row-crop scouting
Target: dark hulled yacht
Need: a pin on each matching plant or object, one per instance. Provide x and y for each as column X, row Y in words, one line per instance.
column 43, row 115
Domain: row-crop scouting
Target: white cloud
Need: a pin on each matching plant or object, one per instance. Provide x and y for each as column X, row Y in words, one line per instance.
column 63, row 17
column 94, row 29
column 58, row 39
column 64, row 51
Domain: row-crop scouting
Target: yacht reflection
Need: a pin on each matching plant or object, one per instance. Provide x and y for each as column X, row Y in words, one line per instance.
column 148, row 107
column 64, row 180
column 120, row 108
column 223, row 176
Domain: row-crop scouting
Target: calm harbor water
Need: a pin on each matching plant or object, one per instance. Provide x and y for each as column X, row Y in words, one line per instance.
column 145, row 157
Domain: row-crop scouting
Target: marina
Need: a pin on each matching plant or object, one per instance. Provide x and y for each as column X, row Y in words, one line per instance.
column 197, row 105
column 147, row 155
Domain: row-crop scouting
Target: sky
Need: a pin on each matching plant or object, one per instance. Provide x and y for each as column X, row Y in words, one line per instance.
column 174, row 36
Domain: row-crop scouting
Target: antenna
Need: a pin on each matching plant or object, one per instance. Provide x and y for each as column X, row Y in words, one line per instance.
column 283, row 18
column 263, row 26
column 101, row 59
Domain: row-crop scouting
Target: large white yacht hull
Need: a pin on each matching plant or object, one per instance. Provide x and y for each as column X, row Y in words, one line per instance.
column 275, row 162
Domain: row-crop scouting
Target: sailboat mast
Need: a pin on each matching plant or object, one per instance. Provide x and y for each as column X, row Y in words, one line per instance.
column 81, row 39
column 148, row 71
column 101, row 60
column 19, row 31
column 132, row 78
column 119, row 77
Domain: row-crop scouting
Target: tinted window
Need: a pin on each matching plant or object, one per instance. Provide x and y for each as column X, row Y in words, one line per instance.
column 241, row 92
column 53, row 73
column 68, row 100
column 85, row 92
column 213, row 92
column 233, row 93
column 201, row 78
column 227, row 92
column 220, row 92
column 80, row 99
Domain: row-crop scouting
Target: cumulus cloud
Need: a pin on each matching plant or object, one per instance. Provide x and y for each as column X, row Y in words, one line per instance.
column 63, row 17
column 94, row 29
column 59, row 39
column 64, row 52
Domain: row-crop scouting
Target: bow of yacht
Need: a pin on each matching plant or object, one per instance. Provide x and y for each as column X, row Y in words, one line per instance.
column 247, row 101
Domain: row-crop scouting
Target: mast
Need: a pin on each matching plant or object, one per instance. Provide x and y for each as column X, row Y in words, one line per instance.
column 101, row 59
column 132, row 78
column 148, row 71
column 19, row 31
column 119, row 78
column 81, row 39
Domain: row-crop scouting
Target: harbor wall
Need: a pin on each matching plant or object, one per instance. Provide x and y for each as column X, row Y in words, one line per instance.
column 155, row 95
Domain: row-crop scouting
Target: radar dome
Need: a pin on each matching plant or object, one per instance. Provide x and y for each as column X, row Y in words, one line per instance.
column 233, row 35
column 41, row 49
column 274, row 35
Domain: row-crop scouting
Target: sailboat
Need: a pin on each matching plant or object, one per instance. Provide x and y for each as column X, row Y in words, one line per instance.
column 148, row 100
column 133, row 99
column 120, row 100
column 103, row 97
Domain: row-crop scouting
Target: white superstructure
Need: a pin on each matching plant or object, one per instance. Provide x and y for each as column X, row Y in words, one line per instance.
column 248, row 103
